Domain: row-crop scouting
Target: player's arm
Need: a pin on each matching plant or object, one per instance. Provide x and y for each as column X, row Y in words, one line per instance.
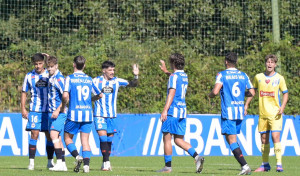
column 65, row 101
column 97, row 97
column 136, row 71
column 23, row 102
column 164, row 68
column 284, row 102
column 56, row 112
column 215, row 90
column 169, row 101
column 252, row 92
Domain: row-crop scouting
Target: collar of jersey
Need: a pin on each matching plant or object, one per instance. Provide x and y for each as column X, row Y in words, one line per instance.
column 45, row 72
column 56, row 72
column 81, row 72
column 270, row 76
column 179, row 71
column 231, row 69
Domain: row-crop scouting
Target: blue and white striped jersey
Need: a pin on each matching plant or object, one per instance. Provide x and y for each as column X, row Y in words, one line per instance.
column 107, row 105
column 38, row 86
column 56, row 89
column 232, row 93
column 179, row 81
column 80, row 87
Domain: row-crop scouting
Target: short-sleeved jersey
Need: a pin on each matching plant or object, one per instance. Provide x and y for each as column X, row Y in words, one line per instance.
column 234, row 84
column 38, row 86
column 55, row 90
column 269, row 94
column 80, row 87
column 107, row 105
column 179, row 81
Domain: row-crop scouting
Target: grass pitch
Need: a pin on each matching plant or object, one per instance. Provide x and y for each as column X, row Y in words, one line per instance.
column 214, row 165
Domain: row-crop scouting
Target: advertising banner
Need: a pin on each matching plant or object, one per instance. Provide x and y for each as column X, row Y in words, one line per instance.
column 140, row 135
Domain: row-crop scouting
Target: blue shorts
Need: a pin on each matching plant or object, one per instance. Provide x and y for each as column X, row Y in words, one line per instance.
column 73, row 127
column 174, row 125
column 107, row 124
column 37, row 121
column 231, row 126
column 58, row 123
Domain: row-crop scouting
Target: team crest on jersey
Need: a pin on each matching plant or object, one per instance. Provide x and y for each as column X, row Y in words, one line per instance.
column 267, row 81
column 275, row 82
column 100, row 126
column 107, row 90
column 32, row 125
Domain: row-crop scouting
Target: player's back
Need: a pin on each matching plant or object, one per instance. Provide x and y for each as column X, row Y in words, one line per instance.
column 179, row 81
column 235, row 83
column 79, row 86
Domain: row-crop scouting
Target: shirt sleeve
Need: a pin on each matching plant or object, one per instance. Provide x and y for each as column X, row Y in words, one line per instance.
column 248, row 82
column 67, row 87
column 25, row 84
column 122, row 82
column 59, row 84
column 172, row 81
column 219, row 78
column 282, row 85
column 95, row 89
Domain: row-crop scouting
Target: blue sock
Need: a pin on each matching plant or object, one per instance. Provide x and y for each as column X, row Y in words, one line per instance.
column 86, row 157
column 192, row 152
column 233, row 146
column 103, row 138
column 32, row 142
column 72, row 149
column 109, row 138
column 168, row 160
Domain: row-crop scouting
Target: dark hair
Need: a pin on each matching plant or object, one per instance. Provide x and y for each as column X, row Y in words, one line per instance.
column 107, row 64
column 272, row 57
column 178, row 60
column 79, row 62
column 231, row 58
column 51, row 60
column 37, row 57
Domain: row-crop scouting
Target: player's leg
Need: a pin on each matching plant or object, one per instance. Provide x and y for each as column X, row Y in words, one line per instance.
column 34, row 126
column 276, row 127
column 72, row 128
column 101, row 128
column 167, row 137
column 49, row 144
column 264, row 130
column 85, row 129
column 178, row 128
column 55, row 127
column 32, row 148
column 111, row 130
column 230, row 128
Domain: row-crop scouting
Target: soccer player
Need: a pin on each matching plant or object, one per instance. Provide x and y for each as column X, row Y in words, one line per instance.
column 232, row 84
column 173, row 116
column 77, row 91
column 105, row 110
column 56, row 120
column 36, row 82
column 270, row 111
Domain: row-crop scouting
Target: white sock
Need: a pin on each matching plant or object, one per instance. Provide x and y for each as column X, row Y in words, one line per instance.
column 31, row 161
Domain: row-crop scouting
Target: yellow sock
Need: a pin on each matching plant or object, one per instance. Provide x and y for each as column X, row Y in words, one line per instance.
column 265, row 150
column 277, row 150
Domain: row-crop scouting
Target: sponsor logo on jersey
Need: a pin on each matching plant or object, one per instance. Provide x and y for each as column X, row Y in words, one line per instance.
column 267, row 94
column 41, row 83
column 107, row 90
column 275, row 82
